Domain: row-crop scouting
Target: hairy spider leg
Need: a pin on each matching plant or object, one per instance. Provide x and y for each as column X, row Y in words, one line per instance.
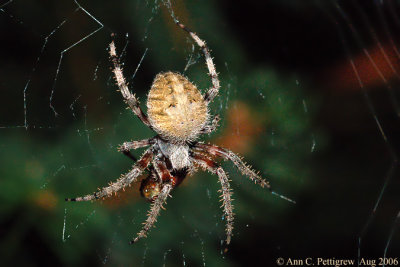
column 213, row 91
column 152, row 177
column 130, row 98
column 159, row 174
column 122, row 182
column 165, row 174
column 149, row 179
column 158, row 203
column 126, row 146
column 226, row 199
column 229, row 155
column 226, row 196
column 245, row 169
column 209, row 128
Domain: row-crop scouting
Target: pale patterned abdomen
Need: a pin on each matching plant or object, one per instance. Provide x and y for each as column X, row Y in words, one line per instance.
column 176, row 108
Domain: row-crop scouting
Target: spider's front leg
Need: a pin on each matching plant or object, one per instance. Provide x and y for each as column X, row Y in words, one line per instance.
column 213, row 167
column 156, row 206
column 130, row 98
column 167, row 184
column 245, row 169
column 229, row 155
column 122, row 182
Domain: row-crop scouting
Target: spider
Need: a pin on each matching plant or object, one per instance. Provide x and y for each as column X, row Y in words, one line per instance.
column 178, row 112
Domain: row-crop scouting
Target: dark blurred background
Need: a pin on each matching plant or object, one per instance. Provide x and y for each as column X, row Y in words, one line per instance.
column 309, row 97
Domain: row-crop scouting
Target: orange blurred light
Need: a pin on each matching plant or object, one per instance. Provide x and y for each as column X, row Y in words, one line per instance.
column 375, row 67
column 243, row 127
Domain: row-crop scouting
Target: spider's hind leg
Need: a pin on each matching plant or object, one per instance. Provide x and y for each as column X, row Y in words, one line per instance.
column 130, row 98
column 213, row 91
column 156, row 206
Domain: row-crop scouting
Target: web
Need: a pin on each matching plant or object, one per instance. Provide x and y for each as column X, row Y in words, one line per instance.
column 309, row 97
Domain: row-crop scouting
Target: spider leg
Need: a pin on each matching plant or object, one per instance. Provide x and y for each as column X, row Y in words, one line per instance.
column 168, row 184
column 126, row 146
column 211, row 127
column 245, row 169
column 213, row 91
column 156, row 206
column 130, row 98
column 122, row 182
column 226, row 197
column 226, row 202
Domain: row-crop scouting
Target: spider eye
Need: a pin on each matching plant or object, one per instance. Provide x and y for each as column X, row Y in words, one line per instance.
column 172, row 105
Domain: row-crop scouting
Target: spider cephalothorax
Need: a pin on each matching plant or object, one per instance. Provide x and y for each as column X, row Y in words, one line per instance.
column 178, row 113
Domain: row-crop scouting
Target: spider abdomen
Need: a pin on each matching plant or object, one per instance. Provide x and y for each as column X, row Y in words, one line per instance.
column 176, row 108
